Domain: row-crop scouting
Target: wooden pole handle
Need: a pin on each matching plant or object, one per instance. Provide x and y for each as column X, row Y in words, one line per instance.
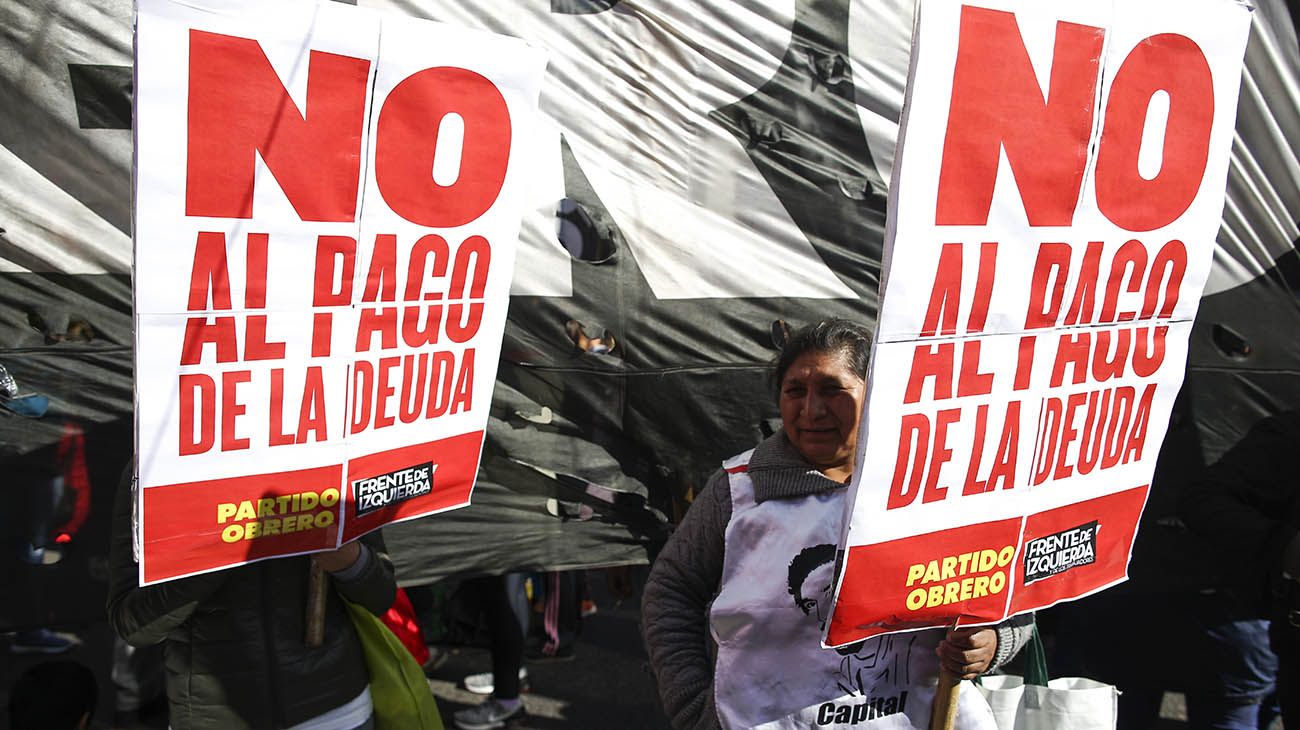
column 944, row 712
column 315, row 606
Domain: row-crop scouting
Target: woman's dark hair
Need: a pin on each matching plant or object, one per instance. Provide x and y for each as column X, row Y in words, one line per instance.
column 808, row 560
column 838, row 336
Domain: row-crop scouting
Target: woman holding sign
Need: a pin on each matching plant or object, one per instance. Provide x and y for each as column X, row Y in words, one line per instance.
column 735, row 604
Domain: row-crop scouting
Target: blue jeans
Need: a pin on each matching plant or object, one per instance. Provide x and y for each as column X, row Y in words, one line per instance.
column 1234, row 667
column 1247, row 668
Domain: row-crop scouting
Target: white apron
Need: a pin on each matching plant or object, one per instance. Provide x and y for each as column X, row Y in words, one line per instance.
column 771, row 672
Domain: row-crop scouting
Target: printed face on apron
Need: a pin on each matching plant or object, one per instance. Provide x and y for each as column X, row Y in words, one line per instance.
column 811, row 580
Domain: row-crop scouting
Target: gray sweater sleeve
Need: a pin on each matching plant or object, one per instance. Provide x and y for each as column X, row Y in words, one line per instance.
column 674, row 608
column 1013, row 634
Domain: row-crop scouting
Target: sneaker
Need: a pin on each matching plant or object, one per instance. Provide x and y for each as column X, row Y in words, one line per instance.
column 42, row 641
column 33, row 555
column 487, row 716
column 481, row 684
column 8, row 386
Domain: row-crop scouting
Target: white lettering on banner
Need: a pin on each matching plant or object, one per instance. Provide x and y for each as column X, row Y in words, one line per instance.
column 1054, row 554
column 398, row 486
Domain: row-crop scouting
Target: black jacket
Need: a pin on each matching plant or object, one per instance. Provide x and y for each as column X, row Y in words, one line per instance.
column 1249, row 504
column 233, row 640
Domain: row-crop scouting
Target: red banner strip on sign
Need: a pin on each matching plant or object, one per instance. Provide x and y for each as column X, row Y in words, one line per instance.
column 1077, row 549
column 927, row 580
column 223, row 522
column 410, row 481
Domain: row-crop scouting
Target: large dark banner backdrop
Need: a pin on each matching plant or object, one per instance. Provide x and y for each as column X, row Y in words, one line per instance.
column 710, row 170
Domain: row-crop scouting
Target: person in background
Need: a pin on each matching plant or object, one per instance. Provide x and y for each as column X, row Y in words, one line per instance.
column 745, row 567
column 233, row 640
column 139, row 692
column 1249, row 505
column 59, row 695
column 561, row 618
column 496, row 596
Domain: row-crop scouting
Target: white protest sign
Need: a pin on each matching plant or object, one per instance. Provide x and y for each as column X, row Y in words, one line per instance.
column 327, row 202
column 1060, row 182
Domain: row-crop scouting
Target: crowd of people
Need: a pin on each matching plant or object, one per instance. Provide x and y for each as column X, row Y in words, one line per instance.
column 732, row 610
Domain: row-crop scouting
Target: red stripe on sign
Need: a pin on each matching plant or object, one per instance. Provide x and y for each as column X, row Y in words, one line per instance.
column 1077, row 549
column 390, row 486
column 199, row 526
column 738, row 469
column 926, row 580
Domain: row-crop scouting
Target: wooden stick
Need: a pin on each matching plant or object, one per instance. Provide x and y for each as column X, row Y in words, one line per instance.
column 315, row 606
column 944, row 712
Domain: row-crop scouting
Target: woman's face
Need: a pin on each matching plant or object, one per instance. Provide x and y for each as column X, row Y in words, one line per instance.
column 821, row 400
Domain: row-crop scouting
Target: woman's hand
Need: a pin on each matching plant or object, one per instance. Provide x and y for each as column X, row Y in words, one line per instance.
column 967, row 653
column 332, row 561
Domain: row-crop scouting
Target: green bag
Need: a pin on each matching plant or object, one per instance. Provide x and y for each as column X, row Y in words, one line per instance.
column 398, row 688
column 1035, row 660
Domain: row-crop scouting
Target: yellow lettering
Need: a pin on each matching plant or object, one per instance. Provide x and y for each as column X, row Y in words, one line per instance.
column 252, row 530
column 233, row 533
column 931, row 572
column 271, row 527
column 1004, row 557
column 935, row 598
column 950, row 592
column 329, row 497
column 324, row 519
column 225, row 511
column 949, row 567
column 916, row 599
column 308, row 501
column 265, row 507
column 997, row 582
column 246, row 511
column 965, row 562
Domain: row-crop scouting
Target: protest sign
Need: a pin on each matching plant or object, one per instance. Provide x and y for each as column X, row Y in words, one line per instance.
column 1059, row 184
column 327, row 201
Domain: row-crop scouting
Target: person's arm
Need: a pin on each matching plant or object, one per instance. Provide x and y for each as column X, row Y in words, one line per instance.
column 674, row 608
column 144, row 616
column 362, row 572
column 977, row 650
column 1013, row 634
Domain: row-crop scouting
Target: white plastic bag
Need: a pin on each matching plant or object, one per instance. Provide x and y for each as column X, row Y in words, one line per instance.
column 1068, row 703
